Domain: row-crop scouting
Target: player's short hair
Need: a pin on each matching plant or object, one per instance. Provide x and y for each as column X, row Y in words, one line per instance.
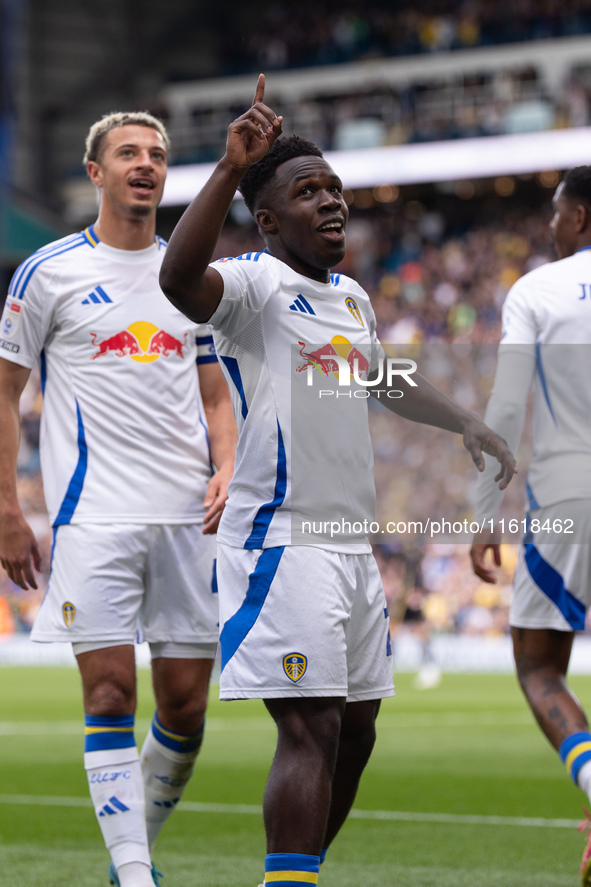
column 577, row 184
column 95, row 139
column 261, row 173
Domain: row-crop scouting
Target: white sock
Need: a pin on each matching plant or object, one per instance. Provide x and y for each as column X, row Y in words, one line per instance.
column 117, row 788
column 135, row 874
column 584, row 779
column 167, row 764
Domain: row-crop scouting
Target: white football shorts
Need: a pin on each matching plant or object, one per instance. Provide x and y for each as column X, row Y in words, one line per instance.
column 302, row 621
column 121, row 583
column 552, row 584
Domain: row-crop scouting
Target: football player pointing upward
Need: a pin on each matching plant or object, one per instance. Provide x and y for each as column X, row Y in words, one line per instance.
column 304, row 626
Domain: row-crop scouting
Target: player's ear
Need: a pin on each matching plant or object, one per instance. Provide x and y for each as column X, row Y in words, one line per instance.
column 95, row 173
column 266, row 221
column 583, row 218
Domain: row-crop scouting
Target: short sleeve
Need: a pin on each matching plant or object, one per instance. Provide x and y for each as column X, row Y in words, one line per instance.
column 247, row 287
column 520, row 325
column 26, row 322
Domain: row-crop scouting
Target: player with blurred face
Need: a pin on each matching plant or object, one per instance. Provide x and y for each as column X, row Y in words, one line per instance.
column 135, row 412
column 303, row 626
column 547, row 342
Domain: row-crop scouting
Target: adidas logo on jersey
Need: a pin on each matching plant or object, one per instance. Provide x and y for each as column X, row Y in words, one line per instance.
column 302, row 305
column 97, row 297
column 119, row 806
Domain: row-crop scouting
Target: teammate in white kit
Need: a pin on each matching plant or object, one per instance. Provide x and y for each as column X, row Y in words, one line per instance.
column 135, row 407
column 547, row 341
column 304, row 625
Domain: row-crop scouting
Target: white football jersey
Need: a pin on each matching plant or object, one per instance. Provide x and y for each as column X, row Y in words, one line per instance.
column 123, row 432
column 547, row 314
column 300, row 455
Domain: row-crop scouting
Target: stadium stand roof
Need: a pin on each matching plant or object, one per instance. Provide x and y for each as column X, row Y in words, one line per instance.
column 456, row 159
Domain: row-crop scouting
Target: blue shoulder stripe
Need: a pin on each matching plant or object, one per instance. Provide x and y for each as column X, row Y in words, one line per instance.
column 44, row 250
column 29, row 268
column 250, row 257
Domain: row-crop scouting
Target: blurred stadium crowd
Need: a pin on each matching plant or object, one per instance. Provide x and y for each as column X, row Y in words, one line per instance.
column 515, row 96
column 437, row 282
column 315, row 34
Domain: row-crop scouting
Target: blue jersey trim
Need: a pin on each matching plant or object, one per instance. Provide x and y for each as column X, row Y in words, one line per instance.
column 29, row 266
column 552, row 584
column 43, row 370
column 33, row 267
column 264, row 515
column 231, row 365
column 259, row 582
column 540, row 369
column 533, row 502
column 91, row 236
column 74, row 490
column 250, row 257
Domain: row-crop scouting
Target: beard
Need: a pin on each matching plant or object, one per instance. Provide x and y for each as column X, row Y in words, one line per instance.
column 141, row 211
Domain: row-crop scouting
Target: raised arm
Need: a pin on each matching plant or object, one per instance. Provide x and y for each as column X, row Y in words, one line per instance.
column 186, row 278
column 19, row 552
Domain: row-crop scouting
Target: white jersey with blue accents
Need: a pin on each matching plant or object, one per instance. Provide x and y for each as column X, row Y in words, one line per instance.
column 549, row 310
column 123, row 433
column 274, row 328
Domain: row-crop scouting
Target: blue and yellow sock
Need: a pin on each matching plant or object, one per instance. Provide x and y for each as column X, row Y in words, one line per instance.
column 111, row 761
column 103, row 734
column 177, row 741
column 167, row 761
column 291, row 869
column 575, row 752
column 323, row 853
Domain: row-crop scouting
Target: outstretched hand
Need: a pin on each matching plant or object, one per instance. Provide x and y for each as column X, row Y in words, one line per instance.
column 251, row 135
column 479, row 439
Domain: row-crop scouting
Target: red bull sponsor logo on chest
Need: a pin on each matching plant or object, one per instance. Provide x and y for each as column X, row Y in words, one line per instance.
column 334, row 357
column 141, row 341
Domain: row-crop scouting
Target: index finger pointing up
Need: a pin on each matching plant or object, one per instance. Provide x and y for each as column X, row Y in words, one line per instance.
column 259, row 92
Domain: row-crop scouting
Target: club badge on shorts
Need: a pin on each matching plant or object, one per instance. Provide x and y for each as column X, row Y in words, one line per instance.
column 294, row 666
column 69, row 613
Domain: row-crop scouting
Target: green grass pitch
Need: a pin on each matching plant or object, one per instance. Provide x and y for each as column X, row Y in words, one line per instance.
column 462, row 790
